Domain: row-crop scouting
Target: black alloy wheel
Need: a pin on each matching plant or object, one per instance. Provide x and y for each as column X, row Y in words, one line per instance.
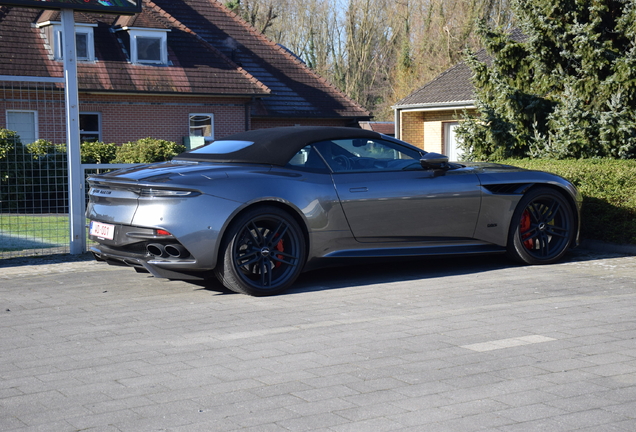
column 542, row 227
column 263, row 254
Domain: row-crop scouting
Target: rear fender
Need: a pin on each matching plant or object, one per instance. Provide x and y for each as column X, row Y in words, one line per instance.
column 197, row 223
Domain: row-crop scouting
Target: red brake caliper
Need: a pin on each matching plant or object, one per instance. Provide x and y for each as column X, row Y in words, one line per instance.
column 280, row 248
column 524, row 228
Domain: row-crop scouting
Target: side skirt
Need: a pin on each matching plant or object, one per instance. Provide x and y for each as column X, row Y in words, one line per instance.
column 418, row 251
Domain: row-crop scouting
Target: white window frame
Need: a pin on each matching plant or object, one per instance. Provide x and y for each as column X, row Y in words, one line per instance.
column 207, row 138
column 99, row 126
column 148, row 33
column 56, row 41
column 36, row 131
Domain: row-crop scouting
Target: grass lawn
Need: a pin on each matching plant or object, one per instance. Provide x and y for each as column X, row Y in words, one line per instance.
column 19, row 232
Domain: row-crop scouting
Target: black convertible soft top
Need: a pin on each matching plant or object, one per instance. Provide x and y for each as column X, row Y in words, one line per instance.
column 275, row 146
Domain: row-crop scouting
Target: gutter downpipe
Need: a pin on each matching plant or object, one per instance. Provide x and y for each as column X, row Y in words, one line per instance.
column 248, row 111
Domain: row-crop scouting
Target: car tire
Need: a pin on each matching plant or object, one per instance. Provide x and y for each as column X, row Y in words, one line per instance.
column 263, row 252
column 542, row 227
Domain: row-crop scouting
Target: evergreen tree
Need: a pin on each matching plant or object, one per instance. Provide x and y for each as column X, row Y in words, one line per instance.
column 563, row 86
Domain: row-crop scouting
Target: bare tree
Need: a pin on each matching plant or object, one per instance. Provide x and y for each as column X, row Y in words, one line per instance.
column 376, row 51
column 260, row 14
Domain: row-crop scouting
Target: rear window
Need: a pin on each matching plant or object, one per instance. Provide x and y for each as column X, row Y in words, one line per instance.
column 222, row 147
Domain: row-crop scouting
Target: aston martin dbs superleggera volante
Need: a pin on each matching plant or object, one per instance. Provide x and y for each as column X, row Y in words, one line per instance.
column 257, row 208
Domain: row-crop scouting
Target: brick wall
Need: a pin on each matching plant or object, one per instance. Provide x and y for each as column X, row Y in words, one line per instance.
column 127, row 118
column 412, row 130
column 425, row 129
column 45, row 100
column 123, row 119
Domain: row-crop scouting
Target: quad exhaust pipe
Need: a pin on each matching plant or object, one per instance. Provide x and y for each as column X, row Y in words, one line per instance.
column 169, row 250
column 156, row 249
column 176, row 251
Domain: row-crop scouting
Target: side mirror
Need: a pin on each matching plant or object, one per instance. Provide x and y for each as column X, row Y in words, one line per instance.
column 434, row 161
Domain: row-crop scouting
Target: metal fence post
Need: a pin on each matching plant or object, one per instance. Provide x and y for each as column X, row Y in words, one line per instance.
column 75, row 180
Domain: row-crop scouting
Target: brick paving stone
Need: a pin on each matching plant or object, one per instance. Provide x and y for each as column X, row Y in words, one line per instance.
column 375, row 425
column 9, row 422
column 537, row 426
column 531, row 412
column 85, row 346
column 269, row 416
column 590, row 417
column 305, row 408
column 312, row 422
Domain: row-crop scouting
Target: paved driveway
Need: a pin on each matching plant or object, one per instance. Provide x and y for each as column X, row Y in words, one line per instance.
column 434, row 345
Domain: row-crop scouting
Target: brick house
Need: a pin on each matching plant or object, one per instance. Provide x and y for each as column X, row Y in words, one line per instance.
column 428, row 116
column 181, row 70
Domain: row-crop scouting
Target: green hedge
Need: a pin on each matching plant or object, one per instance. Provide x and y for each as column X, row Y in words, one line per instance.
column 34, row 177
column 145, row 150
column 29, row 182
column 608, row 187
column 148, row 150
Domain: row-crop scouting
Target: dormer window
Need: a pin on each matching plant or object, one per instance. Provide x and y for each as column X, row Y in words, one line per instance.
column 148, row 46
column 85, row 47
column 82, row 45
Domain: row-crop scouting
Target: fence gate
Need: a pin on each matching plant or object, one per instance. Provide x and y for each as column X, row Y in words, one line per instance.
column 34, row 213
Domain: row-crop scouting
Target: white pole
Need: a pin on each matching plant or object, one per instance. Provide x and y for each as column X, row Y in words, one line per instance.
column 75, row 181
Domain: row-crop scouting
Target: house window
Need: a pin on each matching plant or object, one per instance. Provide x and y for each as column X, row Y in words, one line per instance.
column 90, row 126
column 148, row 47
column 202, row 125
column 81, row 46
column 84, row 45
column 25, row 124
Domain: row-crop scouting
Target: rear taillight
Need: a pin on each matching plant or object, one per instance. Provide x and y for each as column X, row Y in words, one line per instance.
column 166, row 193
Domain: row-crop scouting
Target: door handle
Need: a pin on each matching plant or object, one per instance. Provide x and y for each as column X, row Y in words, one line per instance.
column 359, row 189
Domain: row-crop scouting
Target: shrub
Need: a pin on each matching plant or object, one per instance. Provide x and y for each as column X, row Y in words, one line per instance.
column 42, row 148
column 98, row 152
column 19, row 174
column 34, row 178
column 48, row 193
column 9, row 140
column 91, row 151
column 148, row 150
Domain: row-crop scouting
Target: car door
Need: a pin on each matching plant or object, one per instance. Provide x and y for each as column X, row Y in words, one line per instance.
column 387, row 196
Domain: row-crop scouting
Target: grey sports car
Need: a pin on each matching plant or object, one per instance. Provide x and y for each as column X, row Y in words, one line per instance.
column 257, row 208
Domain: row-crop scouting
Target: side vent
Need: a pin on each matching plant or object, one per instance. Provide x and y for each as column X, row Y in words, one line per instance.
column 507, row 188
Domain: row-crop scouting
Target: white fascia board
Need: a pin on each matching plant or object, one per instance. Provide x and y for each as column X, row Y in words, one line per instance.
column 59, row 23
column 143, row 29
column 445, row 106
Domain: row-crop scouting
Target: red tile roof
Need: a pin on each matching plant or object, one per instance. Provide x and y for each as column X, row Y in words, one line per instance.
column 211, row 51
column 296, row 90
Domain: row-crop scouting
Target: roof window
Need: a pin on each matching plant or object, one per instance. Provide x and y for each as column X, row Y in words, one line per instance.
column 148, row 46
column 84, row 41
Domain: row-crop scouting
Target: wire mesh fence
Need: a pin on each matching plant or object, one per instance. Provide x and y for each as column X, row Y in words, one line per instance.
column 33, row 170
